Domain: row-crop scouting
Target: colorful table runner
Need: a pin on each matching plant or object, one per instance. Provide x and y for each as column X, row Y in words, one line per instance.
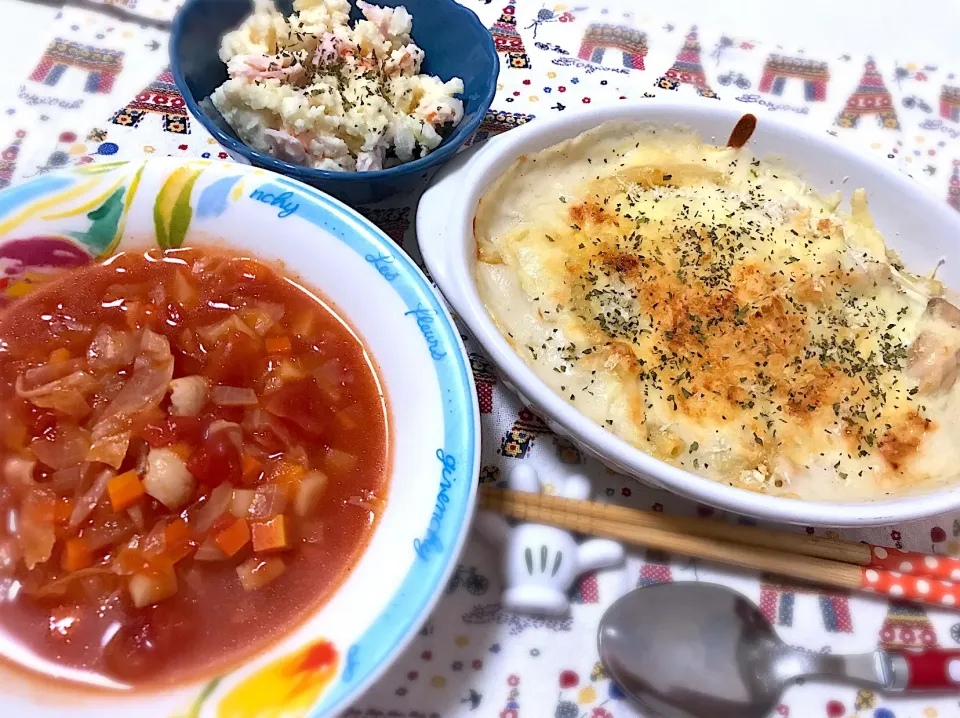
column 101, row 90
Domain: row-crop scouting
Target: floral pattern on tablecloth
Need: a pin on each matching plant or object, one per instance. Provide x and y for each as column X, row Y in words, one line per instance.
column 102, row 91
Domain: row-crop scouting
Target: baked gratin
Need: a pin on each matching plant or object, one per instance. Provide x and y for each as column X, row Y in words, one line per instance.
column 715, row 311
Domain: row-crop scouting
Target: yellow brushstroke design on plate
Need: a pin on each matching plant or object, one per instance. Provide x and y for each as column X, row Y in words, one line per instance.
column 86, row 206
column 128, row 200
column 99, row 168
column 237, row 190
column 45, row 204
column 172, row 211
column 286, row 688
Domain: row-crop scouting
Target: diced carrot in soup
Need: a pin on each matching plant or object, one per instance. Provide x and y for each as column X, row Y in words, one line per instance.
column 129, row 560
column 63, row 510
column 58, row 356
column 251, row 468
column 278, row 345
column 203, row 401
column 284, row 472
column 178, row 540
column 234, row 537
column 270, row 535
column 125, row 490
column 76, row 555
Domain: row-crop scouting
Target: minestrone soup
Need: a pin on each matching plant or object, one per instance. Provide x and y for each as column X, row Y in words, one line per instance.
column 193, row 453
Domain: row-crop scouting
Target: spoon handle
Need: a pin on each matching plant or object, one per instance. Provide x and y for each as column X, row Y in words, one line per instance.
column 930, row 670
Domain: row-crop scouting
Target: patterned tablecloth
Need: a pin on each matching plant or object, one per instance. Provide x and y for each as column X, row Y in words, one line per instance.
column 101, row 91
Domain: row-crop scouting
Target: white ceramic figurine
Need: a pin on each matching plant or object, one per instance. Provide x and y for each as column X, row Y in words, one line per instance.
column 540, row 563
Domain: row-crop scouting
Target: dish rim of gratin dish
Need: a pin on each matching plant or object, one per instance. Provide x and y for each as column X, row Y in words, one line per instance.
column 445, row 221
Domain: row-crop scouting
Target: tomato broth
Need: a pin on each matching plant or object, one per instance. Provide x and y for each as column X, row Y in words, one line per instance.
column 193, row 454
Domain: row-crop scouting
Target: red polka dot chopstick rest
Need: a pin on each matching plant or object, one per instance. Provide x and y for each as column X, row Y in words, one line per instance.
column 913, row 576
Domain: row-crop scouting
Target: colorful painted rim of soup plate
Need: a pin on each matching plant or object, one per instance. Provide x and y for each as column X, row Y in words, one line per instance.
column 361, row 663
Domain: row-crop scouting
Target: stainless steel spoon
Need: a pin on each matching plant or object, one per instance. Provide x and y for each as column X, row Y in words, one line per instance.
column 701, row 650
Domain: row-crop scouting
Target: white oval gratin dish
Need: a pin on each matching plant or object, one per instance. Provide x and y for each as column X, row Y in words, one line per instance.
column 918, row 225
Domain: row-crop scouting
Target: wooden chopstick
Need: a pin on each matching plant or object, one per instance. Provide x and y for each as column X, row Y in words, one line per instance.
column 944, row 568
column 667, row 534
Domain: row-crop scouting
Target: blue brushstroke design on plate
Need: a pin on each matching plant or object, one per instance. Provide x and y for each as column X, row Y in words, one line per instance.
column 213, row 200
column 12, row 198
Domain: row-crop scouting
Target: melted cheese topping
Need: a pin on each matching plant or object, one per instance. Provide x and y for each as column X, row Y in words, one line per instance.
column 716, row 312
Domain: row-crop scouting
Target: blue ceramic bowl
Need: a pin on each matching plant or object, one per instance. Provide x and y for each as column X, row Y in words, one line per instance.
column 456, row 45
